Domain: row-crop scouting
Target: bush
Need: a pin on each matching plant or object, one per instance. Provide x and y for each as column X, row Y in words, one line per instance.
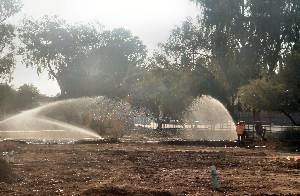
column 6, row 174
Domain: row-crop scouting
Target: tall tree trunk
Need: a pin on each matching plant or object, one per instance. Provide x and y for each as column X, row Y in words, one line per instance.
column 58, row 79
column 63, row 93
column 290, row 117
column 229, row 104
column 256, row 115
column 159, row 124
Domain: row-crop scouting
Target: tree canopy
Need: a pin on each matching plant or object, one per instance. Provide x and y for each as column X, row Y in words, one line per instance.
column 108, row 69
column 7, row 53
column 11, row 100
column 235, row 49
column 51, row 44
column 80, row 55
column 250, row 40
column 253, row 36
column 27, row 96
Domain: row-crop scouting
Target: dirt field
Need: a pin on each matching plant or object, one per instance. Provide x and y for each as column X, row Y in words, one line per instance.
column 148, row 169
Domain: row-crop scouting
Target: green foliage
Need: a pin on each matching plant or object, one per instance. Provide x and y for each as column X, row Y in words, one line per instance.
column 233, row 57
column 261, row 94
column 51, row 44
column 7, row 60
column 281, row 93
column 27, row 96
column 269, row 95
column 176, row 73
column 9, row 8
column 166, row 88
column 12, row 100
column 253, row 36
column 165, row 93
column 83, row 59
column 7, row 99
column 249, row 40
column 186, row 47
column 290, row 77
column 245, row 48
column 109, row 69
column 276, row 28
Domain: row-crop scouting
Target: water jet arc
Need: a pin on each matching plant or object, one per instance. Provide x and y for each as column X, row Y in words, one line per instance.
column 208, row 119
column 34, row 125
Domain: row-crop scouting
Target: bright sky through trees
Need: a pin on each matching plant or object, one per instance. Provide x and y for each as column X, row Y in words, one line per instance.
column 151, row 20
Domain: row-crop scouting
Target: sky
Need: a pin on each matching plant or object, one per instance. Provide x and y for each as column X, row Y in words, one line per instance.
column 150, row 20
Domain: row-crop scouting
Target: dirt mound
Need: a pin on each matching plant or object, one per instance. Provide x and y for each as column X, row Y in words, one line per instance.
column 126, row 191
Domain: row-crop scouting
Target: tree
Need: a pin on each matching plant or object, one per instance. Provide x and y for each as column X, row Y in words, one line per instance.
column 187, row 48
column 27, row 95
column 232, row 54
column 7, row 99
column 290, row 77
column 268, row 95
column 175, row 74
column 167, row 88
column 7, row 9
column 266, row 29
column 166, row 94
column 249, row 39
column 82, row 59
column 109, row 69
column 11, row 100
column 51, row 44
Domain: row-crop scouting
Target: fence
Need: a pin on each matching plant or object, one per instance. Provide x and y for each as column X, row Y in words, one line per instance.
column 146, row 122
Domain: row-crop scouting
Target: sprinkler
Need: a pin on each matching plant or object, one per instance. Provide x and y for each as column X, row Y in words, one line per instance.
column 214, row 178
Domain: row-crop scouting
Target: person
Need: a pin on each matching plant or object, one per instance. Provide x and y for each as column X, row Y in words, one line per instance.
column 240, row 130
column 260, row 131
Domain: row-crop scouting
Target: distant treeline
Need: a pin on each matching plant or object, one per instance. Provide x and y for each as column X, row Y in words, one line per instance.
column 244, row 53
column 12, row 101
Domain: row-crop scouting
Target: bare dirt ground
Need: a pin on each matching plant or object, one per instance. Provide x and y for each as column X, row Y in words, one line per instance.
column 148, row 169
